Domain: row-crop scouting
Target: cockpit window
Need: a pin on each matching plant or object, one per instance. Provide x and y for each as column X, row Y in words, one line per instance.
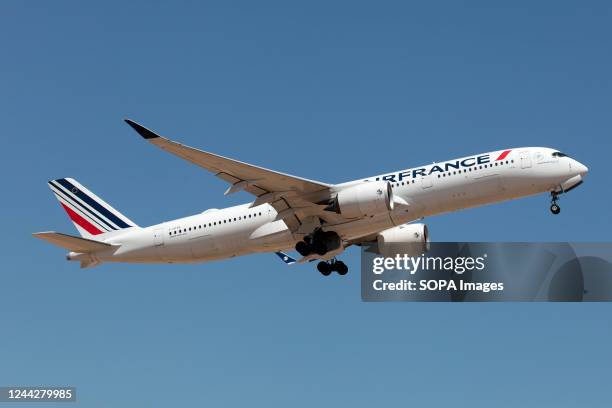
column 559, row 154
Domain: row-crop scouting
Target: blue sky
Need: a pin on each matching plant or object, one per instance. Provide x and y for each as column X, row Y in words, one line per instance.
column 326, row 90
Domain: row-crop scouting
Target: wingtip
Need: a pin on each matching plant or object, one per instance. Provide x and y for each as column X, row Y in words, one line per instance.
column 141, row 130
column 285, row 258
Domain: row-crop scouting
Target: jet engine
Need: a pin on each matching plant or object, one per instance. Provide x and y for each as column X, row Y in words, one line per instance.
column 409, row 239
column 571, row 183
column 365, row 199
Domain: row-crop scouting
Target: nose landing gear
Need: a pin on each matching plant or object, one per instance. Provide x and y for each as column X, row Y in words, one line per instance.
column 554, row 207
column 326, row 268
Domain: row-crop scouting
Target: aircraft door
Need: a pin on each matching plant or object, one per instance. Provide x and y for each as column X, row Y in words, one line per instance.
column 426, row 182
column 158, row 237
column 525, row 160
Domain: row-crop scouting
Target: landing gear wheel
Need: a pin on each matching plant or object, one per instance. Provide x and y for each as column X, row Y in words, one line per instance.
column 324, row 268
column 555, row 209
column 341, row 268
column 303, row 248
column 319, row 248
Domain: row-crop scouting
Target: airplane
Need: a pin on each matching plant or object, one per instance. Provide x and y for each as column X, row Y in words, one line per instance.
column 317, row 219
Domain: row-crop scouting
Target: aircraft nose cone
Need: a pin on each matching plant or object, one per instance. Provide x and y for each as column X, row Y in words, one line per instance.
column 582, row 169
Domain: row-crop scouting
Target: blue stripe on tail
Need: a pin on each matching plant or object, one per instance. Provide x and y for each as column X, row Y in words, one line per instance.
column 98, row 219
column 93, row 204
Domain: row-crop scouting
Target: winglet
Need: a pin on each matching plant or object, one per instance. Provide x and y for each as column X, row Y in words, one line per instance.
column 285, row 258
column 142, row 131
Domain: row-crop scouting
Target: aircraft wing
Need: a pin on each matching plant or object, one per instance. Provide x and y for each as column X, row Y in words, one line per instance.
column 293, row 197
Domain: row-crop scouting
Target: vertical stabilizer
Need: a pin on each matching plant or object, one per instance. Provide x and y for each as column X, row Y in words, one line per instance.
column 92, row 216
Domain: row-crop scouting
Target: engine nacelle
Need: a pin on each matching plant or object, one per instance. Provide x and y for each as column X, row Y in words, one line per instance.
column 409, row 239
column 569, row 184
column 367, row 198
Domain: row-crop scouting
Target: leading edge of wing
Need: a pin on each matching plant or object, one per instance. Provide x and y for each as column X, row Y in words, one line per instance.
column 160, row 141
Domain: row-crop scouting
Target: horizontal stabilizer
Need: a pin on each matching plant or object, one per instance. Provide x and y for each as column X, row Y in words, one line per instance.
column 71, row 243
column 87, row 263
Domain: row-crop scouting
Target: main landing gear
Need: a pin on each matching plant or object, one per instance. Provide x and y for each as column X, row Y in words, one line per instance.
column 327, row 267
column 554, row 207
column 320, row 243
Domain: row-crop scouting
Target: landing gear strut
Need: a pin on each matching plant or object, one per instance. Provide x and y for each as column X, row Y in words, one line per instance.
column 327, row 267
column 554, row 207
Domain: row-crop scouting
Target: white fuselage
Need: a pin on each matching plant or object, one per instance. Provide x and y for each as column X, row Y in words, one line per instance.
column 429, row 190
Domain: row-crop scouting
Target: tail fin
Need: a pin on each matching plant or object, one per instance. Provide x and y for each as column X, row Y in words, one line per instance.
column 91, row 215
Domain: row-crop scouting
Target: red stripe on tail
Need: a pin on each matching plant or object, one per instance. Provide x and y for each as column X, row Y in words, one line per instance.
column 503, row 155
column 82, row 222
